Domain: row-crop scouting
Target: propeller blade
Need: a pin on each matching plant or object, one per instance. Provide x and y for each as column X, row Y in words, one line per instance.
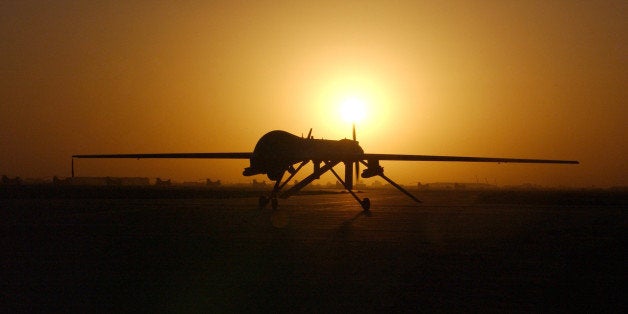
column 309, row 133
column 354, row 131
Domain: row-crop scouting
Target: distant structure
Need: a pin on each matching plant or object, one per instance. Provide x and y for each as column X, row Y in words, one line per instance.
column 57, row 181
column 135, row 181
column 8, row 181
column 211, row 183
column 87, row 181
column 113, row 181
column 257, row 184
column 160, row 182
column 455, row 186
column 98, row 181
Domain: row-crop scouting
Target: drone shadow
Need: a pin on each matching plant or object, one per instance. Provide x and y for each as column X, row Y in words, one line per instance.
column 345, row 228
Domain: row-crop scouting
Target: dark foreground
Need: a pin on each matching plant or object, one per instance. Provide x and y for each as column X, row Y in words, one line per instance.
column 458, row 251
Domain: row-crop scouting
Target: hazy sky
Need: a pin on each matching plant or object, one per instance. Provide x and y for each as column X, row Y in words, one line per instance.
column 530, row 79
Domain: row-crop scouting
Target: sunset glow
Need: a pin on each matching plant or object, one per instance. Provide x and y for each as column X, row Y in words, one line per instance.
column 353, row 96
column 353, row 109
column 506, row 79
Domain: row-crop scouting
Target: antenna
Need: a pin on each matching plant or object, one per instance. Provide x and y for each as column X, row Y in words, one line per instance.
column 354, row 131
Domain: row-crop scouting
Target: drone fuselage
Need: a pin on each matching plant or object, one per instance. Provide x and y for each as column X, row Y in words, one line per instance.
column 277, row 151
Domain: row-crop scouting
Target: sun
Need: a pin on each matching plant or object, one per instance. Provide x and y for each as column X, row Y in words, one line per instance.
column 342, row 100
column 353, row 109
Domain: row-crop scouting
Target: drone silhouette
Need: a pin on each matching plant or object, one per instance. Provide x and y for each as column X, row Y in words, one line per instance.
column 277, row 152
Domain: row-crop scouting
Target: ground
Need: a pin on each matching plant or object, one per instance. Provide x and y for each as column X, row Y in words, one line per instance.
column 457, row 251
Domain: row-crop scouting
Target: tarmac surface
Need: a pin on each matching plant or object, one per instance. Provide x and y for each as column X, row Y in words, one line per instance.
column 457, row 251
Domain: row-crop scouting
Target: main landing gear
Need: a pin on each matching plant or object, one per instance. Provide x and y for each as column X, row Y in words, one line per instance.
column 318, row 171
column 372, row 169
column 264, row 200
column 366, row 204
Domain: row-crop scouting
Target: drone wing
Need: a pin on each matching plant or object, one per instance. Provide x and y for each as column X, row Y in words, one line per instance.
column 168, row 155
column 464, row 159
column 173, row 155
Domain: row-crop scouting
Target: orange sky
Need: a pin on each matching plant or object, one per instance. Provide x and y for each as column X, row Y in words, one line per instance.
column 531, row 79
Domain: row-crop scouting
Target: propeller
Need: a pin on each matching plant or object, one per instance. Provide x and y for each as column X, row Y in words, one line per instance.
column 357, row 163
column 354, row 131
column 309, row 134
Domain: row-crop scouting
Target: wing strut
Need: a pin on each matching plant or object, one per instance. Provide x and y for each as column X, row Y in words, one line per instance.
column 365, row 203
column 375, row 169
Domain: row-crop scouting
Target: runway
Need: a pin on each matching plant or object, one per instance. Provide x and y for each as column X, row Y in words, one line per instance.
column 457, row 251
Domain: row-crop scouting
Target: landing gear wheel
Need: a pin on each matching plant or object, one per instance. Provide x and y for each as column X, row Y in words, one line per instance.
column 366, row 204
column 274, row 203
column 263, row 201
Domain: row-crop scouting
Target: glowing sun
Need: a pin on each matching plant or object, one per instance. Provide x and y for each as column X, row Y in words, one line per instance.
column 353, row 109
